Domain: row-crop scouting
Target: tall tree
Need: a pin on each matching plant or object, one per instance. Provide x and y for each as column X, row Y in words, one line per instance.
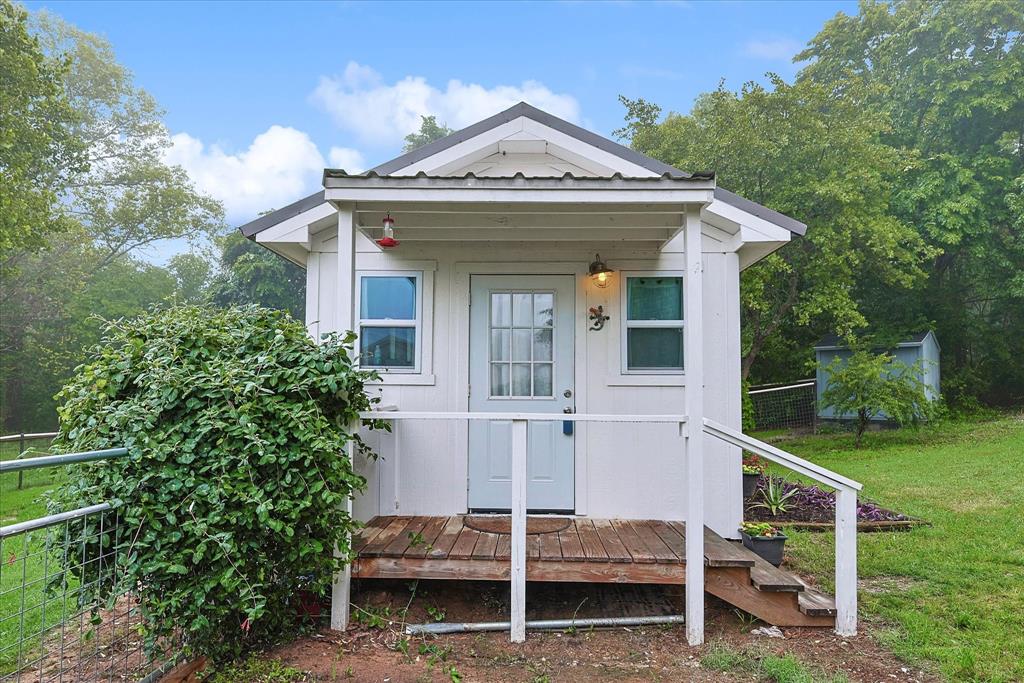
column 810, row 152
column 38, row 149
column 429, row 131
column 125, row 199
column 949, row 77
column 251, row 274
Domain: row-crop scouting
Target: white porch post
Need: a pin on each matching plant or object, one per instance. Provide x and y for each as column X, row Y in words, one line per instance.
column 518, row 577
column 344, row 321
column 846, row 562
column 693, row 349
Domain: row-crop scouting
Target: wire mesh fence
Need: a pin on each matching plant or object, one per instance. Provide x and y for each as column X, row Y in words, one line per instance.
column 784, row 406
column 67, row 612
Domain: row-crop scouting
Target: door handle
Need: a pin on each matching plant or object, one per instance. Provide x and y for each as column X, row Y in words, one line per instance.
column 568, row 424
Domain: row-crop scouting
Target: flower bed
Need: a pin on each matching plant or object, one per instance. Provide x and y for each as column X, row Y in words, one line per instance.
column 813, row 507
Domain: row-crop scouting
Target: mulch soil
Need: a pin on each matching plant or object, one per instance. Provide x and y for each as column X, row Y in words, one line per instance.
column 651, row 653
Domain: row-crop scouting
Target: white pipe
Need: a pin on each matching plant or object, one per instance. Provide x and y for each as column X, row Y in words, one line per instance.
column 602, row 622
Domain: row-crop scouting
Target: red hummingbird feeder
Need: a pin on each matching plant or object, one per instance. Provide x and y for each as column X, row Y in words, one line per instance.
column 388, row 241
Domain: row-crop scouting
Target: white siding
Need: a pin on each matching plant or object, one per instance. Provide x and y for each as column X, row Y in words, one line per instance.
column 627, row 471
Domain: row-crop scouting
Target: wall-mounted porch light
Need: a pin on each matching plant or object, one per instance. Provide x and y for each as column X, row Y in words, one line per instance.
column 388, row 241
column 600, row 273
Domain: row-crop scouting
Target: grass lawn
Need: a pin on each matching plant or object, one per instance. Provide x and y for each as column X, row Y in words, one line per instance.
column 950, row 595
column 29, row 564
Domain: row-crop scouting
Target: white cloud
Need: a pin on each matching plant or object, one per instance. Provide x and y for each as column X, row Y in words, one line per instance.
column 347, row 158
column 779, row 49
column 281, row 165
column 380, row 113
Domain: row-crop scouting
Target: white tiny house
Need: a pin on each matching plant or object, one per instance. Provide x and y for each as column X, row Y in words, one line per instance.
column 555, row 318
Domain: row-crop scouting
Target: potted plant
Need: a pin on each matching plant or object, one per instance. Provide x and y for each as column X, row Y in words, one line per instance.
column 752, row 470
column 764, row 539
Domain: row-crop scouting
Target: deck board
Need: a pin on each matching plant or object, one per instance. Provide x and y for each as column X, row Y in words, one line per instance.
column 593, row 550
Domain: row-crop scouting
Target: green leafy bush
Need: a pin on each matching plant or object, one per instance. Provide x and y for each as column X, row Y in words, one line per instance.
column 233, row 494
column 868, row 384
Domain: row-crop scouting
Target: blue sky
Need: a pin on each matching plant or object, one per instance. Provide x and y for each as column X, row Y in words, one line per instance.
column 260, row 96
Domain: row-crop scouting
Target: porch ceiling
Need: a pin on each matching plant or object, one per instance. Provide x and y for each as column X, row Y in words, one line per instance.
column 490, row 222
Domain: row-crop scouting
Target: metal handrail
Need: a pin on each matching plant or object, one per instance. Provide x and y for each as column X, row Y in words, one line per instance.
column 65, row 459
column 27, row 437
column 51, row 520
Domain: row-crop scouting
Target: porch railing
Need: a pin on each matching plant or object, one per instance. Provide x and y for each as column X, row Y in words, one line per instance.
column 519, row 449
column 846, row 505
column 846, row 515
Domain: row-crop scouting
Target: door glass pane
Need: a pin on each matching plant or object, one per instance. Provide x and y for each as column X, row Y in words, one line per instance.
column 387, row 347
column 501, row 310
column 542, row 379
column 654, row 348
column 522, row 310
column 520, row 379
column 499, row 379
column 499, row 344
column 521, row 345
column 654, row 298
column 388, row 298
column 543, row 309
column 542, row 345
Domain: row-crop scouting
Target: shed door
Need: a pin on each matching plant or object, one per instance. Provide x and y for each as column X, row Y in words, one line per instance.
column 521, row 360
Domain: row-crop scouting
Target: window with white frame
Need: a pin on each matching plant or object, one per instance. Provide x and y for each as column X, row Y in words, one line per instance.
column 390, row 313
column 652, row 330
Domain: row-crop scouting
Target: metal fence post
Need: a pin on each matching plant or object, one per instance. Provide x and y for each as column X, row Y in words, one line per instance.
column 21, row 452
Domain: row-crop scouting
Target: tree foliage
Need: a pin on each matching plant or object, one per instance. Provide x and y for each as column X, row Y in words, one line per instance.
column 120, row 200
column 429, row 131
column 39, row 152
column 250, row 273
column 871, row 385
column 809, row 152
column 948, row 77
column 233, row 492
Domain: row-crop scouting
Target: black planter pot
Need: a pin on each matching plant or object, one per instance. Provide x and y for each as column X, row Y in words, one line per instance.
column 768, row 548
column 750, row 485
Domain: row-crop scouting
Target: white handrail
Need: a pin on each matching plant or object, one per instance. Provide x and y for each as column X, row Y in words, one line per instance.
column 529, row 417
column 846, row 516
column 766, row 450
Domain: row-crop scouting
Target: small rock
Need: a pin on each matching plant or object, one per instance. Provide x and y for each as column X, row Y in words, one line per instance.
column 769, row 631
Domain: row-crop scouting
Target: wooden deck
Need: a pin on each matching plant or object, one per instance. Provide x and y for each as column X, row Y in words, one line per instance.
column 587, row 550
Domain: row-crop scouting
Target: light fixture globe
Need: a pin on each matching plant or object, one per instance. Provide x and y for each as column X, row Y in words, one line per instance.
column 600, row 273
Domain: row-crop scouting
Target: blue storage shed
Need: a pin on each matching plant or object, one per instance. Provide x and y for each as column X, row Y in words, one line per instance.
column 922, row 346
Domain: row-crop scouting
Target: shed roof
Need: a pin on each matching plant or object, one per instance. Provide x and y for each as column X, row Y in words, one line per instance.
column 834, row 341
column 666, row 174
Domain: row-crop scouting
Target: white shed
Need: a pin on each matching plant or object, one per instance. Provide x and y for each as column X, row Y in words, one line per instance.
column 557, row 328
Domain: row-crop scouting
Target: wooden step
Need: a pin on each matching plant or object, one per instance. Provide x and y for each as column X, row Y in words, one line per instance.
column 719, row 552
column 815, row 604
column 767, row 577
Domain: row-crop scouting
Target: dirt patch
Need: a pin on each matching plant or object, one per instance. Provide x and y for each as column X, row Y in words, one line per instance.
column 887, row 584
column 658, row 653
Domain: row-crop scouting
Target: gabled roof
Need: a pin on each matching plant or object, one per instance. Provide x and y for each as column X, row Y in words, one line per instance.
column 664, row 172
column 542, row 117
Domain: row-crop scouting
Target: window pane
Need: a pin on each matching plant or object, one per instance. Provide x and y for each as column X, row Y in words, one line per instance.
column 543, row 309
column 654, row 348
column 542, row 379
column 387, row 347
column 542, row 344
column 388, row 298
column 521, row 344
column 654, row 298
column 501, row 310
column 499, row 379
column 520, row 379
column 499, row 344
column 522, row 310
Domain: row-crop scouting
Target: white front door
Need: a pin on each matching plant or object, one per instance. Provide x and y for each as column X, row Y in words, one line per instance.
column 521, row 361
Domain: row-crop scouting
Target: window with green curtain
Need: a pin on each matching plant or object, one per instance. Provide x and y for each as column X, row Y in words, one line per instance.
column 389, row 321
column 654, row 324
